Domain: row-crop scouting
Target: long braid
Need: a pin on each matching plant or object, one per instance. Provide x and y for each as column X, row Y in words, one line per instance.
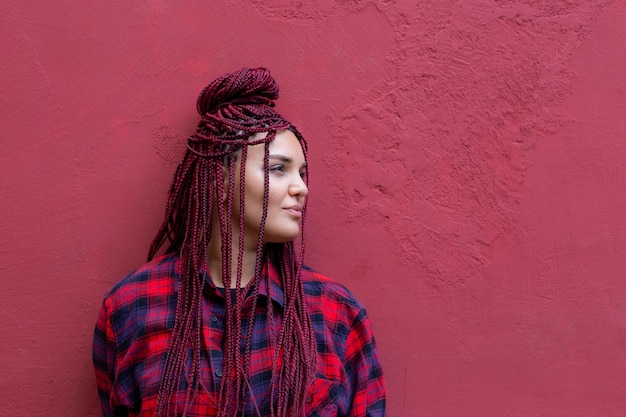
column 233, row 108
column 239, row 299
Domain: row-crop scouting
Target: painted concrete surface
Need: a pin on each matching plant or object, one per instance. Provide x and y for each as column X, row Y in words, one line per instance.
column 468, row 183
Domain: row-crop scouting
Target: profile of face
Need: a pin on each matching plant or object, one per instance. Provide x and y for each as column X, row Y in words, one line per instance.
column 287, row 189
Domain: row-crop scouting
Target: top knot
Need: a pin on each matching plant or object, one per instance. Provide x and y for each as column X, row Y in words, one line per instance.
column 246, row 86
column 232, row 109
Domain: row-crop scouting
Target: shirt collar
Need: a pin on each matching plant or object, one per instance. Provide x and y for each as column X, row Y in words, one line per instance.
column 275, row 291
column 270, row 285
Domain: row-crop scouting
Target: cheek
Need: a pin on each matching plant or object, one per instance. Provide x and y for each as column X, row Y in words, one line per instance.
column 254, row 189
column 254, row 197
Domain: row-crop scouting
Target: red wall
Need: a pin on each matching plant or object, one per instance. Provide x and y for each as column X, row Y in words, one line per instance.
column 468, row 163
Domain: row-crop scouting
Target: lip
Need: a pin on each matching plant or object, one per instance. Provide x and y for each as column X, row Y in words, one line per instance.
column 295, row 210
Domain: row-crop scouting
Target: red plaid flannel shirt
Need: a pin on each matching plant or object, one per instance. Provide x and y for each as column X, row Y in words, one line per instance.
column 134, row 329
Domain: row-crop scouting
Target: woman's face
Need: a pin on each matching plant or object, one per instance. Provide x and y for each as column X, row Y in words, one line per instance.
column 287, row 189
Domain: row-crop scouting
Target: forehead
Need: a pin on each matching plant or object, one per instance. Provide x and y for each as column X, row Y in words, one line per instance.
column 285, row 144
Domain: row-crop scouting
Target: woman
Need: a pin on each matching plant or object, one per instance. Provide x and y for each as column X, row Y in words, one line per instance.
column 227, row 321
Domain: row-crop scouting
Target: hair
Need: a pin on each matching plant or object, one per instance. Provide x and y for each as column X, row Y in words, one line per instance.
column 232, row 108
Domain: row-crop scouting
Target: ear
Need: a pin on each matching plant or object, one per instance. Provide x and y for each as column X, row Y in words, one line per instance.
column 225, row 181
column 231, row 159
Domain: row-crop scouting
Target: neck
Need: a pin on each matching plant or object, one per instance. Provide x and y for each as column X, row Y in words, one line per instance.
column 214, row 261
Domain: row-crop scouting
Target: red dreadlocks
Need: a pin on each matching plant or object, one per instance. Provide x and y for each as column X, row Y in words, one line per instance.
column 233, row 108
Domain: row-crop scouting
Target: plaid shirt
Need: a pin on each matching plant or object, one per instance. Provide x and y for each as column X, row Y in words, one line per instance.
column 134, row 329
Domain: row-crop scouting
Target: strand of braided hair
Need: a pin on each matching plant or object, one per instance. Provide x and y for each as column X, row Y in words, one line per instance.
column 233, row 108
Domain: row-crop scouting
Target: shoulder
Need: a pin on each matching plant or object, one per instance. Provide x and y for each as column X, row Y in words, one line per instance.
column 319, row 285
column 157, row 276
column 327, row 296
column 142, row 302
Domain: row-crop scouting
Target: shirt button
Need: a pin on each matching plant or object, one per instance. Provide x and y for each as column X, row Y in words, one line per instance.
column 218, row 373
column 214, row 319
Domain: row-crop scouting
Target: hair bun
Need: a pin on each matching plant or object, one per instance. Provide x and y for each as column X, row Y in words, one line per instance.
column 246, row 86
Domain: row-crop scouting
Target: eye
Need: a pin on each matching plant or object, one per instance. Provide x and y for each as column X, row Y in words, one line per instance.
column 277, row 168
column 303, row 174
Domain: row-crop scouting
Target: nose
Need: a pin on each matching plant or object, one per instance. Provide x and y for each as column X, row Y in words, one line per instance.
column 298, row 187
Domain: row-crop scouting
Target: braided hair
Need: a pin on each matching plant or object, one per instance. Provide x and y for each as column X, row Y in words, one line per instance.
column 233, row 109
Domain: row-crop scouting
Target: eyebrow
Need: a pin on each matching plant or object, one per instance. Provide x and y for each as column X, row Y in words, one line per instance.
column 284, row 159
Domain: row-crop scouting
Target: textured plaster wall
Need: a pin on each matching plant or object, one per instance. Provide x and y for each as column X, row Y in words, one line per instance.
column 468, row 163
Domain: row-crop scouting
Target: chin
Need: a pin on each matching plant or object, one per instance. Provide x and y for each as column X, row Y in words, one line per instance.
column 281, row 237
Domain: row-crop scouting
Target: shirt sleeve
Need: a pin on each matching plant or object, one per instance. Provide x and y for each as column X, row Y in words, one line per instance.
column 104, row 349
column 364, row 370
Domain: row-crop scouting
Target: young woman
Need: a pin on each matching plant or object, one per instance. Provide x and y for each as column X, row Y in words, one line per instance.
column 227, row 321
